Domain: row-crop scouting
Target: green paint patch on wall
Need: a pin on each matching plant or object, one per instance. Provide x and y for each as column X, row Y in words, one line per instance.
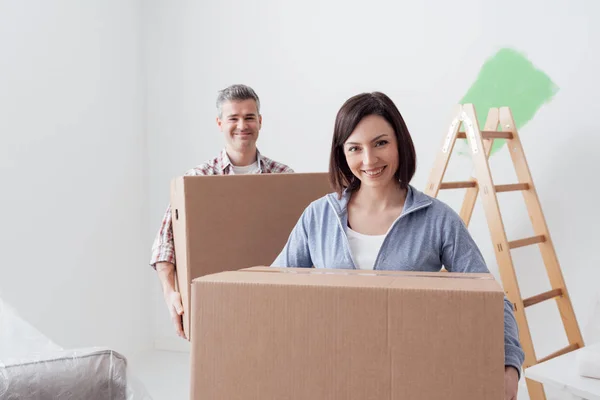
column 509, row 79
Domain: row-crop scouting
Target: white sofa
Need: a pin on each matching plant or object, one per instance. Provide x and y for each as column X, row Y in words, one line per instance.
column 90, row 374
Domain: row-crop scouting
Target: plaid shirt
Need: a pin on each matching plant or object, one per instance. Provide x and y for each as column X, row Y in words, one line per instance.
column 163, row 249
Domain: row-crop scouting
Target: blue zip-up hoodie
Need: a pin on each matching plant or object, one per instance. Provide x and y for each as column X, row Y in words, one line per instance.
column 427, row 235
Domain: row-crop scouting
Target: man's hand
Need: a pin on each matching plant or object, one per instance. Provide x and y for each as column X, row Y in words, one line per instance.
column 511, row 383
column 175, row 306
column 166, row 274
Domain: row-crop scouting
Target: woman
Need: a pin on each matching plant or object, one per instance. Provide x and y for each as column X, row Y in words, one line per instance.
column 377, row 220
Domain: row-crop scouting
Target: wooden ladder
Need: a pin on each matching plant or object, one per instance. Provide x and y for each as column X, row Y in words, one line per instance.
column 480, row 145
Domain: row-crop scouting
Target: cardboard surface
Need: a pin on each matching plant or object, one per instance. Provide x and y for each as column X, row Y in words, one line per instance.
column 342, row 334
column 223, row 223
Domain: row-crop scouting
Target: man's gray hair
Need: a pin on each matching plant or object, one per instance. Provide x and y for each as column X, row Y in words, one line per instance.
column 236, row 93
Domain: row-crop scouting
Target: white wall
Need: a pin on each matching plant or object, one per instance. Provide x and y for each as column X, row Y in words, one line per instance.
column 102, row 103
column 71, row 162
column 305, row 58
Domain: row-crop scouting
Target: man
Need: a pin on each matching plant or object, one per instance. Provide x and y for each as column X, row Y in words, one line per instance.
column 240, row 121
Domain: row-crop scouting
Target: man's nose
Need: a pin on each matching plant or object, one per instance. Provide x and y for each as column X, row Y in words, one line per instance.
column 241, row 124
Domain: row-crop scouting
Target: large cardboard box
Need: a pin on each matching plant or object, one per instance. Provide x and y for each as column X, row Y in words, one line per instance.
column 223, row 223
column 276, row 333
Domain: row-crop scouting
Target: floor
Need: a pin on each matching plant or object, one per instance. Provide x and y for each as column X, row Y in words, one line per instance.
column 164, row 375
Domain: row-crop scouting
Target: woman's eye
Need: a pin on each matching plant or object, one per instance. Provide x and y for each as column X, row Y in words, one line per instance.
column 382, row 142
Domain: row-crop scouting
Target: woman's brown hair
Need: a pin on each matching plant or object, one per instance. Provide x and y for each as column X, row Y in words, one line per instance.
column 348, row 117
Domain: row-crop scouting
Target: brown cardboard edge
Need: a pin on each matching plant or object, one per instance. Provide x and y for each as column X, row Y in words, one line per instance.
column 182, row 269
column 408, row 274
column 394, row 277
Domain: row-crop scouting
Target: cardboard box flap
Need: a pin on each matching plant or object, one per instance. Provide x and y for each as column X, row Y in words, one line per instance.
column 407, row 280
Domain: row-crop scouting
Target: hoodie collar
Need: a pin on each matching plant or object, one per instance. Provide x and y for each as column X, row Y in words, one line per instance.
column 414, row 199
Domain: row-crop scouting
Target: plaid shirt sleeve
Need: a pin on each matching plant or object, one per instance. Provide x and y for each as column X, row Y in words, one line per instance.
column 163, row 248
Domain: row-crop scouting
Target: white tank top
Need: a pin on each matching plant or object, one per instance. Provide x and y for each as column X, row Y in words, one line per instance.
column 364, row 248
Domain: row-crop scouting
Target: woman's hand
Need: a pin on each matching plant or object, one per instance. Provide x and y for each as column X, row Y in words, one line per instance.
column 511, row 383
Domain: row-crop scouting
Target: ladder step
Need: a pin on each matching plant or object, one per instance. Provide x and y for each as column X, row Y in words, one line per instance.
column 512, row 187
column 471, row 184
column 527, row 241
column 560, row 352
column 542, row 297
column 488, row 135
column 458, row 185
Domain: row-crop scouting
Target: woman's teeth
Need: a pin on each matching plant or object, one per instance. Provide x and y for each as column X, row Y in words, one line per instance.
column 374, row 172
